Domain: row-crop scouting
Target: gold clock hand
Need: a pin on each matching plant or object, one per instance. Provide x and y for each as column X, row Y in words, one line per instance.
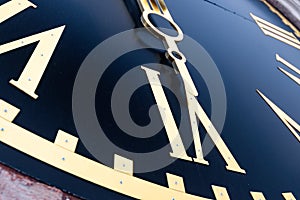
column 173, row 53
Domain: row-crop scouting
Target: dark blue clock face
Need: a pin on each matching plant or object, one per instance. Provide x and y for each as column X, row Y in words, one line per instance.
column 244, row 57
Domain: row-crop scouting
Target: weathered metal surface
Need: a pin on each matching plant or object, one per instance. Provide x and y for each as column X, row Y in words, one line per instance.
column 14, row 185
column 289, row 8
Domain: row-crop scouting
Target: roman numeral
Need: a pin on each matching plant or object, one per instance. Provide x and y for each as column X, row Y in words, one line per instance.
column 276, row 32
column 37, row 64
column 13, row 7
column 290, row 66
column 195, row 111
column 34, row 70
column 287, row 120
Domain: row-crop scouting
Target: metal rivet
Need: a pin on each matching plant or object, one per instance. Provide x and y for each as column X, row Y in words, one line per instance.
column 5, row 110
column 2, row 129
column 176, row 183
column 66, row 141
column 63, row 158
column 124, row 165
column 121, row 182
column 29, row 79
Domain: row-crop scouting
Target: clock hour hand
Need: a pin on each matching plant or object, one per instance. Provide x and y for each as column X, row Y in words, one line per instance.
column 153, row 7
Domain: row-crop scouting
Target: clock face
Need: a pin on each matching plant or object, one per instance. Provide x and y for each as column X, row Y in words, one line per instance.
column 91, row 71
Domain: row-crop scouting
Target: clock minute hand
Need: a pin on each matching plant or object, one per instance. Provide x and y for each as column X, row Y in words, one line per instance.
column 173, row 53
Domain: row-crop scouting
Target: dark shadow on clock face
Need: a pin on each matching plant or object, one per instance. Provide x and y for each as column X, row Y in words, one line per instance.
column 260, row 142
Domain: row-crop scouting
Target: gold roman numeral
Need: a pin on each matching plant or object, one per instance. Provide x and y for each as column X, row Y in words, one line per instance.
column 195, row 110
column 13, row 7
column 34, row 70
column 287, row 120
column 37, row 64
column 276, row 32
column 290, row 66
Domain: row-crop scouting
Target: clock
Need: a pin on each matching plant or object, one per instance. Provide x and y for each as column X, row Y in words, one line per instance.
column 151, row 99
